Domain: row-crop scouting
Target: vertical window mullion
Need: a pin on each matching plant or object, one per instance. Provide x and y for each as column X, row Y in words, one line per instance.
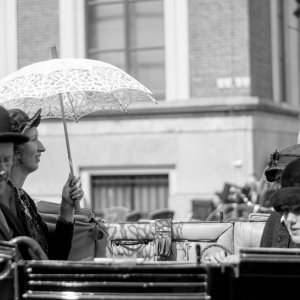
column 282, row 50
column 132, row 188
column 127, row 36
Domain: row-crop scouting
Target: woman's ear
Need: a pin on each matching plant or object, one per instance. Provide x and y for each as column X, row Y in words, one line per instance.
column 17, row 160
column 18, row 151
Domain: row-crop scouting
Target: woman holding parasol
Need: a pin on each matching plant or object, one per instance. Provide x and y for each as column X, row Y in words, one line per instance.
column 27, row 157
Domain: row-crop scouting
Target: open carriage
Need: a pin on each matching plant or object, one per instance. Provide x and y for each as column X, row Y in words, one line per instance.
column 160, row 259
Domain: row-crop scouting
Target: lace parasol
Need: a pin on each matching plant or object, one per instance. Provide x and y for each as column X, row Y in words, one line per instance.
column 86, row 86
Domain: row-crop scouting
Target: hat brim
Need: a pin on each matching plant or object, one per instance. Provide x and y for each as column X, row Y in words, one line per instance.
column 13, row 137
column 271, row 172
column 285, row 196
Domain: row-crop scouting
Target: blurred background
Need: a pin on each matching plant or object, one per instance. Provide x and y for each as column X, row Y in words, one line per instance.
column 225, row 74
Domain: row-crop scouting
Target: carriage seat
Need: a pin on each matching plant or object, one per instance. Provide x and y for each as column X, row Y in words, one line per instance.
column 138, row 239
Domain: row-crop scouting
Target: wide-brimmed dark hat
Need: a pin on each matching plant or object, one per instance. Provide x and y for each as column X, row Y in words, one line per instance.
column 21, row 122
column 285, row 196
column 289, row 193
column 279, row 161
column 7, row 135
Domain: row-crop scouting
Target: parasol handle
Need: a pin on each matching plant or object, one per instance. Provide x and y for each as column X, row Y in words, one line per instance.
column 77, row 202
column 66, row 134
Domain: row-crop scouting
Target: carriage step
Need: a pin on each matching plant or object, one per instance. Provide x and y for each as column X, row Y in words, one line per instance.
column 124, row 287
column 30, row 295
column 135, row 277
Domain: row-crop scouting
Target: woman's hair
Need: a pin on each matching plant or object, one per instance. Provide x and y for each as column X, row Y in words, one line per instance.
column 21, row 123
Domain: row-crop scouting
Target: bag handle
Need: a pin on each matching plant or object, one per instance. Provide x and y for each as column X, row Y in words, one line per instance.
column 130, row 243
column 127, row 244
column 214, row 245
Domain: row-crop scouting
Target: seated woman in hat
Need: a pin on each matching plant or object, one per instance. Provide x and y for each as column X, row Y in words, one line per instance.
column 286, row 201
column 27, row 157
column 283, row 166
column 8, row 139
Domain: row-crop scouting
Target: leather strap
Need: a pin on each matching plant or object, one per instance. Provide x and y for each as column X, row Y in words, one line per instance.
column 163, row 238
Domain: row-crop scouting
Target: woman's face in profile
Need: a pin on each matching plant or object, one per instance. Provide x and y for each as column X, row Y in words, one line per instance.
column 32, row 151
column 291, row 216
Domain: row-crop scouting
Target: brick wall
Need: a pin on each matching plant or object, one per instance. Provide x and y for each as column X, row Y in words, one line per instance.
column 38, row 30
column 299, row 56
column 219, row 47
column 260, row 48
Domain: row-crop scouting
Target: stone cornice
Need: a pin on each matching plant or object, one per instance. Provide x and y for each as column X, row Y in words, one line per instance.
column 196, row 107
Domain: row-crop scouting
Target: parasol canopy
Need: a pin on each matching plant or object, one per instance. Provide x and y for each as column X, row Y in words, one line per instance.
column 86, row 86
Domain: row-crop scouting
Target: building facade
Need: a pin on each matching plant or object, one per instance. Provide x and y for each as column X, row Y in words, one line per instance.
column 225, row 74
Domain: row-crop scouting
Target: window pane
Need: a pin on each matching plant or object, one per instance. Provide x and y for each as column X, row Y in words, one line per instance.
column 140, row 192
column 148, row 67
column 106, row 27
column 146, row 24
column 115, row 58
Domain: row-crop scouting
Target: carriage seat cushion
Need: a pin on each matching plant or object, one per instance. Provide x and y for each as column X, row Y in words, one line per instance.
column 247, row 235
column 186, row 235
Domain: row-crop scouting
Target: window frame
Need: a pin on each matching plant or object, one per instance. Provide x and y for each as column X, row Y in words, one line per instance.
column 8, row 37
column 289, row 89
column 127, row 50
column 177, row 81
column 87, row 173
